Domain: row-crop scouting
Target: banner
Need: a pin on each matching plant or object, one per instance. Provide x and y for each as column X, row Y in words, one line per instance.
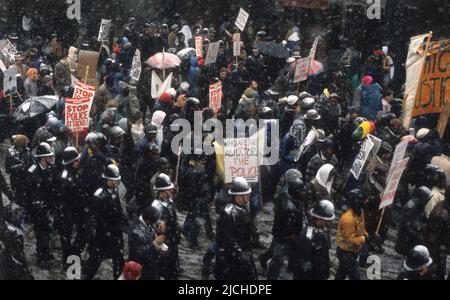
column 10, row 81
column 392, row 185
column 199, row 46
column 242, row 19
column 301, row 69
column 363, row 155
column 434, row 87
column 414, row 64
column 77, row 114
column 236, row 44
column 159, row 87
column 215, row 96
column 241, row 158
column 103, row 34
column 136, row 68
column 213, row 51
column 311, row 4
column 87, row 66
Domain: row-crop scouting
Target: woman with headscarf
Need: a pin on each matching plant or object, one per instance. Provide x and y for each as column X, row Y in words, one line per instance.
column 321, row 186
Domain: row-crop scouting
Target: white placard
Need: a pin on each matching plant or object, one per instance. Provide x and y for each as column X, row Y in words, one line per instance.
column 242, row 19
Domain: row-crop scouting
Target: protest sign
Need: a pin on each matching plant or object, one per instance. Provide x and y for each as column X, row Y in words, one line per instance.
column 366, row 149
column 77, row 114
column 434, row 86
column 87, row 66
column 399, row 154
column 199, row 46
column 83, row 90
column 215, row 96
column 392, row 185
column 2, row 66
column 103, row 34
column 10, row 81
column 213, row 51
column 301, row 69
column 8, row 50
column 236, row 44
column 241, row 158
column 242, row 19
column 136, row 68
column 414, row 64
column 159, row 87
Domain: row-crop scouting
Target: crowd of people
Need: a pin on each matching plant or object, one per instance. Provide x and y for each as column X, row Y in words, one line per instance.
column 73, row 188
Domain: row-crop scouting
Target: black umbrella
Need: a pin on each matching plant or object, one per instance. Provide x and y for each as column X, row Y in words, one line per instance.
column 272, row 49
column 34, row 107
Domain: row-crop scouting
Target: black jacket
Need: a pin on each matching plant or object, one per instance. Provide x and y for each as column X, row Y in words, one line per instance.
column 40, row 190
column 16, row 165
column 143, row 251
column 170, row 218
column 106, row 218
column 312, row 258
column 234, row 257
column 288, row 222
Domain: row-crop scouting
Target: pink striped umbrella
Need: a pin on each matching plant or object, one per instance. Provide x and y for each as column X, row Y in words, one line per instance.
column 163, row 61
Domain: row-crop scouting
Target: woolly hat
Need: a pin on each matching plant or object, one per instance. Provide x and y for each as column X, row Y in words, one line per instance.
column 165, row 97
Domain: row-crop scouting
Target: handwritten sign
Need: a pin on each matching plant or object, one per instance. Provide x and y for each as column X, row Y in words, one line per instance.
column 241, row 158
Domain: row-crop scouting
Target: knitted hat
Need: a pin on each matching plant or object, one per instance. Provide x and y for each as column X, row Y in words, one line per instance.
column 165, row 97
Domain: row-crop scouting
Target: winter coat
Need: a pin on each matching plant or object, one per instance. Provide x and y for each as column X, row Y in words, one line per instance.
column 143, row 250
column 412, row 225
column 246, row 108
column 351, row 232
column 234, row 260
column 40, row 191
column 16, row 165
column 368, row 98
column 106, row 217
column 438, row 230
column 101, row 98
column 288, row 222
column 31, row 88
column 311, row 255
column 170, row 218
column 443, row 162
column 145, row 169
column 62, row 76
column 128, row 105
column 438, row 196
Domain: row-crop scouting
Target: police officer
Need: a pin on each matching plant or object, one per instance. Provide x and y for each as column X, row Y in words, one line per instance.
column 117, row 139
column 72, row 205
column 13, row 264
column 312, row 258
column 288, row 224
column 198, row 190
column 17, row 162
column 166, row 207
column 234, row 259
column 106, row 218
column 417, row 265
column 39, row 200
column 146, row 243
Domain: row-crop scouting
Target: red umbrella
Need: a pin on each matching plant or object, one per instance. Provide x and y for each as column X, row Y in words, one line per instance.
column 163, row 61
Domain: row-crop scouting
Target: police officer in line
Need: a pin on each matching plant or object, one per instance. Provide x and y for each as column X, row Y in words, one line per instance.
column 288, row 224
column 170, row 265
column 18, row 160
column 73, row 201
column 417, row 265
column 312, row 247
column 117, row 139
column 39, row 200
column 13, row 264
column 234, row 259
column 106, row 220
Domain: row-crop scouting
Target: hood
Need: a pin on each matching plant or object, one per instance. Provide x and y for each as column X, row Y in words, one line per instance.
column 158, row 118
column 322, row 177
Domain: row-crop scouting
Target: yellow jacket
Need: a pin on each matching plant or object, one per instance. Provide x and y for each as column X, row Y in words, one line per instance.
column 351, row 232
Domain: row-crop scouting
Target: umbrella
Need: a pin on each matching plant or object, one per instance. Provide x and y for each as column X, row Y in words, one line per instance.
column 186, row 53
column 272, row 49
column 35, row 106
column 163, row 61
column 315, row 68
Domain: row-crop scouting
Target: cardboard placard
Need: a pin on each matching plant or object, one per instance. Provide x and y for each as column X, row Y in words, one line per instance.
column 242, row 19
column 241, row 158
column 87, row 66
column 215, row 96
